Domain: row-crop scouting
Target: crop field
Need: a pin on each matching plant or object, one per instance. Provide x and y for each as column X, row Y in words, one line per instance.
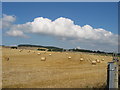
column 42, row 69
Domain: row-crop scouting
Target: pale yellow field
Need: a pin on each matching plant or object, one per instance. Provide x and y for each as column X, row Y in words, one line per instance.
column 26, row 70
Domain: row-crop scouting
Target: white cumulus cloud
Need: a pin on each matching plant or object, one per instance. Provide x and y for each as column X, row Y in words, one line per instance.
column 7, row 20
column 16, row 33
column 63, row 28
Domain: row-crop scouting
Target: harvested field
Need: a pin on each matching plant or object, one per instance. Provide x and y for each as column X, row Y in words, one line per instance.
column 26, row 70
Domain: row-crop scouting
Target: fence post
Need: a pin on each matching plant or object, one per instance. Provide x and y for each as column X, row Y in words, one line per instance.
column 112, row 75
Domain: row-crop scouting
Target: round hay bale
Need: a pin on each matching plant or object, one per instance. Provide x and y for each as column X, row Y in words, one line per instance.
column 28, row 51
column 94, row 62
column 98, row 61
column 38, row 53
column 20, row 50
column 43, row 58
column 69, row 57
column 7, row 58
column 50, row 54
column 102, row 59
column 81, row 59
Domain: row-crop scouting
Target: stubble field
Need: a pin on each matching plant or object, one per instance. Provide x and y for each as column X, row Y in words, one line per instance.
column 26, row 70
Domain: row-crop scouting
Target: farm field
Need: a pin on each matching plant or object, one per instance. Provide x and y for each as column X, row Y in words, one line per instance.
column 24, row 69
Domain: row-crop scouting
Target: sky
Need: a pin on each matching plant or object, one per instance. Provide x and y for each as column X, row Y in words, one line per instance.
column 85, row 25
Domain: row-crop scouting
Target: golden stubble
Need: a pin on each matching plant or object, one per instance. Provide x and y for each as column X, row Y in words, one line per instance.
column 26, row 70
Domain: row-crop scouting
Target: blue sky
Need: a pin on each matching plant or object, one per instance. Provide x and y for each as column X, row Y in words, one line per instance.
column 97, row 15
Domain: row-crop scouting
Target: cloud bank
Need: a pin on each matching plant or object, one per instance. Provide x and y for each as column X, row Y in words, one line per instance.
column 7, row 20
column 63, row 28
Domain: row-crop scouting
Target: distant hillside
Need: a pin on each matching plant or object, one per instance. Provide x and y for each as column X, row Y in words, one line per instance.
column 52, row 48
column 39, row 46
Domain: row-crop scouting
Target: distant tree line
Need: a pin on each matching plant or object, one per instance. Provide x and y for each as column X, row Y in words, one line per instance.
column 56, row 49
column 52, row 48
column 84, row 50
column 13, row 47
column 41, row 49
column 89, row 51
